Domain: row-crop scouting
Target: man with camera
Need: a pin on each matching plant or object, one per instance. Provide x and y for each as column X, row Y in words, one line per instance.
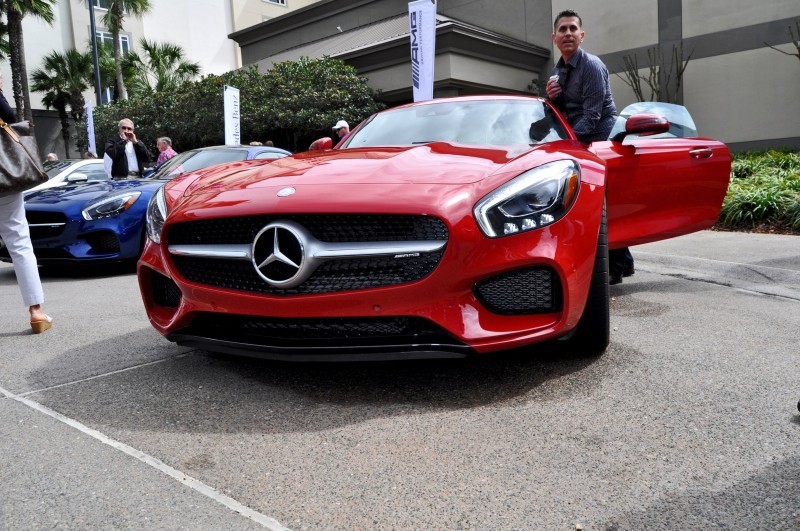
column 128, row 155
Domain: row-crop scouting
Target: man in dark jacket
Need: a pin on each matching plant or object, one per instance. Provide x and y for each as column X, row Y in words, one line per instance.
column 128, row 155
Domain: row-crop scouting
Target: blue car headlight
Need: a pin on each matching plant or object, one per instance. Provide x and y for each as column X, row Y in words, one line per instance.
column 110, row 205
column 537, row 198
column 156, row 215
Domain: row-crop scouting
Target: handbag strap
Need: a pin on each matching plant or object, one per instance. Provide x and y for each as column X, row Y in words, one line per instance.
column 10, row 131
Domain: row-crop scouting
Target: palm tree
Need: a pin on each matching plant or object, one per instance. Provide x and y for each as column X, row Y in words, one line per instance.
column 15, row 10
column 113, row 20
column 63, row 78
column 4, row 49
column 163, row 67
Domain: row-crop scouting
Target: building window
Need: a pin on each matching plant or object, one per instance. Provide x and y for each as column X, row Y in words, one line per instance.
column 103, row 4
column 278, row 2
column 107, row 39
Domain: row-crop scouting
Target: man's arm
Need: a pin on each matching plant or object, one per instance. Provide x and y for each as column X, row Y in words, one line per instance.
column 595, row 81
column 141, row 151
column 113, row 147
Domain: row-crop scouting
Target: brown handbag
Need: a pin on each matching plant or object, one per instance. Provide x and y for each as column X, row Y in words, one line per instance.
column 20, row 165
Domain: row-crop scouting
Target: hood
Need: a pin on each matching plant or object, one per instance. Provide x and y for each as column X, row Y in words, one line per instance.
column 82, row 192
column 434, row 163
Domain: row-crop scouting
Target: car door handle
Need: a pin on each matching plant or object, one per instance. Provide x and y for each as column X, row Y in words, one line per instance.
column 701, row 153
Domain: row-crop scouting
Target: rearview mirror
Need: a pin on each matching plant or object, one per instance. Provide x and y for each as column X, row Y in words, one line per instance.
column 77, row 177
column 643, row 125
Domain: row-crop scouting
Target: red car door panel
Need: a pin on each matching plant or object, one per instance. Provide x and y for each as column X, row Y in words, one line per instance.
column 659, row 188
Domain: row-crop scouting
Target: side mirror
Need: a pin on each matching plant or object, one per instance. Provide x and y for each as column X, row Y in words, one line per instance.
column 321, row 144
column 643, row 125
column 77, row 177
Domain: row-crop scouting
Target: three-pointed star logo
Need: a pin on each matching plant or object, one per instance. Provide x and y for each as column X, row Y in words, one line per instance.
column 277, row 255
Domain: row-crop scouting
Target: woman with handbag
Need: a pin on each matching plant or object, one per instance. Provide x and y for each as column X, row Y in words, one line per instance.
column 15, row 233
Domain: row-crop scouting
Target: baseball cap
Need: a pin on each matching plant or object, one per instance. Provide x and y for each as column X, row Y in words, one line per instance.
column 340, row 124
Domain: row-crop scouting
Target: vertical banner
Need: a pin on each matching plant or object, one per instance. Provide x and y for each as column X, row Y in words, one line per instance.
column 231, row 111
column 90, row 128
column 422, row 24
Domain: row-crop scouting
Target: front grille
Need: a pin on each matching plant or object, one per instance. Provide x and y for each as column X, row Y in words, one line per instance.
column 165, row 292
column 520, row 292
column 329, row 332
column 56, row 220
column 331, row 276
column 326, row 228
column 341, row 275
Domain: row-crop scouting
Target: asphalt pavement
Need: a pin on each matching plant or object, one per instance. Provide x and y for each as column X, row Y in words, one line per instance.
column 688, row 421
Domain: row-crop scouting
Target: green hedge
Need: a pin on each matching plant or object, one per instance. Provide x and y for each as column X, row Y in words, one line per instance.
column 764, row 192
column 293, row 104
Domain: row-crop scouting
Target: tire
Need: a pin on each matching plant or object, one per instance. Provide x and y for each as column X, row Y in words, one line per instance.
column 593, row 332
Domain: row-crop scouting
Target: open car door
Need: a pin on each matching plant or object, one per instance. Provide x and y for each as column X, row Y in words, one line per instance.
column 661, row 185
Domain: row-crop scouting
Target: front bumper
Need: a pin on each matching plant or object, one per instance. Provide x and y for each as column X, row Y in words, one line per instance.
column 442, row 314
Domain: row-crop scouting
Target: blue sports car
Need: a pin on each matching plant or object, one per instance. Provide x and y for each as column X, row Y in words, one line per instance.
column 103, row 221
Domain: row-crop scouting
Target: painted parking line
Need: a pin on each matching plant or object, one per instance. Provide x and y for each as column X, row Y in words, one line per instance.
column 185, row 479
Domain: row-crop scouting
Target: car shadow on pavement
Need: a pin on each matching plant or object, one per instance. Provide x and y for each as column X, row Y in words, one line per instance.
column 730, row 507
column 204, row 392
column 85, row 270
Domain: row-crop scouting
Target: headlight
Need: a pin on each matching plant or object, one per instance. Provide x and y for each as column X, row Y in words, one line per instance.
column 156, row 214
column 537, row 198
column 110, row 206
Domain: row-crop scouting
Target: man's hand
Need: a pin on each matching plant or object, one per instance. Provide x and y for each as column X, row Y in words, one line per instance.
column 553, row 88
column 130, row 136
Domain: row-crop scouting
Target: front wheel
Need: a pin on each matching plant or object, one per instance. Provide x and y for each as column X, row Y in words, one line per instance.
column 593, row 333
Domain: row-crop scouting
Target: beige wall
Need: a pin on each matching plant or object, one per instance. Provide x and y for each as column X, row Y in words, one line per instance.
column 248, row 13
column 725, row 90
column 613, row 26
column 458, row 67
column 709, row 16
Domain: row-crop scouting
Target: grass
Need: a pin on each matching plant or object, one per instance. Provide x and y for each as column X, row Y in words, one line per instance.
column 764, row 193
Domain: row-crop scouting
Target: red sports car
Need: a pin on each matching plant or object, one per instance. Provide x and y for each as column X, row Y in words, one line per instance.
column 452, row 227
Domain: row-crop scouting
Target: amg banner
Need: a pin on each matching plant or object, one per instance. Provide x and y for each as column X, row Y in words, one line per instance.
column 230, row 100
column 422, row 23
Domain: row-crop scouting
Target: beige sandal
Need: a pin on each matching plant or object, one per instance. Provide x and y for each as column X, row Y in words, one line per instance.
column 40, row 326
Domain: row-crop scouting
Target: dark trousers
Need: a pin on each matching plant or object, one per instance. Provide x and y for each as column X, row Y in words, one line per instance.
column 619, row 261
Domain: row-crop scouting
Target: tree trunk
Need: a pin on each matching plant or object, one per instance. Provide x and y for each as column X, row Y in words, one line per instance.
column 121, row 92
column 17, row 60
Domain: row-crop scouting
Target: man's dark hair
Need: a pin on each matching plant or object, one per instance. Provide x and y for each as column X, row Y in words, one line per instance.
column 567, row 13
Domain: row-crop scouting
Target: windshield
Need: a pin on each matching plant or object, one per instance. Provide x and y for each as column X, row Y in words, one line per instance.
column 197, row 160
column 484, row 122
column 54, row 167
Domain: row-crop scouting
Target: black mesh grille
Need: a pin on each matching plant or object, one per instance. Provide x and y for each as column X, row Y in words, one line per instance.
column 332, row 276
column 327, row 228
column 103, row 241
column 333, row 332
column 43, row 218
column 165, row 292
column 341, row 275
column 524, row 291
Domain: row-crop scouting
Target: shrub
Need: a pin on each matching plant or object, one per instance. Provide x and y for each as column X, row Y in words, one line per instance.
column 292, row 105
column 764, row 191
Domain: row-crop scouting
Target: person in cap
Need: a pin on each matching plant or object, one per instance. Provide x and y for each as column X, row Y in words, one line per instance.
column 342, row 129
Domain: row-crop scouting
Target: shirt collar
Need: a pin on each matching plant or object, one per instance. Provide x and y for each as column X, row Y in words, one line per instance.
column 574, row 61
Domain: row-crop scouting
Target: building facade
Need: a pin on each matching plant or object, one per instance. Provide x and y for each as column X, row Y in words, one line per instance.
column 200, row 27
column 737, row 88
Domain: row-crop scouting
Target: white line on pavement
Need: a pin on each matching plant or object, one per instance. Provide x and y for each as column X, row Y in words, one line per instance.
column 96, row 376
column 187, row 480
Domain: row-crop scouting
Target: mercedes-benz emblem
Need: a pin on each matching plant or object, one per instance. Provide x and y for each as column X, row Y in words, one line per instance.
column 279, row 254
